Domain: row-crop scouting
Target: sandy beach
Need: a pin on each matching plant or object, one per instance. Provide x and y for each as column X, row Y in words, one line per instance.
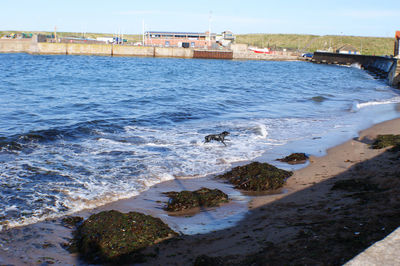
column 328, row 213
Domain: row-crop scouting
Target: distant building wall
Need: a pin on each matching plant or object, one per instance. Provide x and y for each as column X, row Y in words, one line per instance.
column 177, row 42
column 180, row 39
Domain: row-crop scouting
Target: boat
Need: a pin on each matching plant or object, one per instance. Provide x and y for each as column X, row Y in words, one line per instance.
column 260, row 50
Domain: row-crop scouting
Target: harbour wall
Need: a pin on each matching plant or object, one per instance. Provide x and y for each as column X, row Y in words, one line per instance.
column 32, row 46
column 16, row 46
column 384, row 67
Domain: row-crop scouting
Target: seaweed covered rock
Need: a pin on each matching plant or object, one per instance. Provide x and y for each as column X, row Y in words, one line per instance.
column 203, row 197
column 71, row 221
column 383, row 141
column 294, row 158
column 395, row 148
column 112, row 236
column 257, row 177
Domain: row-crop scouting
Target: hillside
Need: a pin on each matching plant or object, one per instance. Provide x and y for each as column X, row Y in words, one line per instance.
column 311, row 43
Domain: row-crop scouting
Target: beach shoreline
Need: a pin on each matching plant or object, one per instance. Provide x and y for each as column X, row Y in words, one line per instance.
column 260, row 222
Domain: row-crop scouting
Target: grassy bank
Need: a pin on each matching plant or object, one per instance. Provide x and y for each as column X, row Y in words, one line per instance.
column 311, row 43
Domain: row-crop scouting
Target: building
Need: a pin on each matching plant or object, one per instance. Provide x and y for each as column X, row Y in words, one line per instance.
column 347, row 49
column 225, row 39
column 397, row 44
column 180, row 39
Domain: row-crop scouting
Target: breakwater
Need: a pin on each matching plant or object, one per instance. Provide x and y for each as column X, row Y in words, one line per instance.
column 384, row 67
column 32, row 46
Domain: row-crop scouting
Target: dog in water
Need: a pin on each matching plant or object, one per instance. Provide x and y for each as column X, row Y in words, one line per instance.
column 218, row 137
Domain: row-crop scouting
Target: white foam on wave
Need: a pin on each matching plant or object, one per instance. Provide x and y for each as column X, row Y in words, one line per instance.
column 356, row 106
column 356, row 65
column 263, row 130
column 106, row 169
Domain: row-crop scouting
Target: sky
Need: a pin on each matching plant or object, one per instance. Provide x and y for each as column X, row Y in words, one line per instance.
column 340, row 17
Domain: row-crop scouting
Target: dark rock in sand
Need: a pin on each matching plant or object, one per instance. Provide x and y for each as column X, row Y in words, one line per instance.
column 257, row 177
column 115, row 237
column 294, row 158
column 203, row 197
column 383, row 141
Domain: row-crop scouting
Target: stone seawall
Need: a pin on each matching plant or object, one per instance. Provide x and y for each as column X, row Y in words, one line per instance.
column 385, row 67
column 16, row 46
column 32, row 46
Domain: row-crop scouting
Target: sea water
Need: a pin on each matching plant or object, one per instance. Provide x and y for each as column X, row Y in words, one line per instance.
column 81, row 131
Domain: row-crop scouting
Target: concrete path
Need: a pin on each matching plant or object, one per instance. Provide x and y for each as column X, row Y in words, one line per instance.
column 383, row 253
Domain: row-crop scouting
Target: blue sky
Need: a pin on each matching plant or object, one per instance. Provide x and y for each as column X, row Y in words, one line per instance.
column 354, row 17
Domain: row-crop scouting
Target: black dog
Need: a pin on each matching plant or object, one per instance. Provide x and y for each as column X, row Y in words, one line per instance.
column 217, row 137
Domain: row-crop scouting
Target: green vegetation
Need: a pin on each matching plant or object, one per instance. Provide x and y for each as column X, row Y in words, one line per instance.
column 294, row 158
column 383, row 141
column 257, row 177
column 203, row 197
column 112, row 236
column 311, row 43
column 71, row 221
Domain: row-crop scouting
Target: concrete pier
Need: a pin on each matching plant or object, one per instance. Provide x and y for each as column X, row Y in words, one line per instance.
column 385, row 67
column 32, row 46
column 384, row 252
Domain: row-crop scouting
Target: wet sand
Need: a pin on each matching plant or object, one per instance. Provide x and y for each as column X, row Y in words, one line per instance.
column 309, row 223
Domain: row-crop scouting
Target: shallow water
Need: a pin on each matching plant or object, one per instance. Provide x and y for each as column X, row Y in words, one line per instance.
column 81, row 131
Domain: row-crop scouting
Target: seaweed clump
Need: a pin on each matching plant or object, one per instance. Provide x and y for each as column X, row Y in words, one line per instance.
column 113, row 237
column 71, row 221
column 294, row 158
column 257, row 177
column 383, row 141
column 203, row 197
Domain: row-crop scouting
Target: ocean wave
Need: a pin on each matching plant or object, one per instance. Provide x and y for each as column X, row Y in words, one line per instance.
column 126, row 130
column 356, row 106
